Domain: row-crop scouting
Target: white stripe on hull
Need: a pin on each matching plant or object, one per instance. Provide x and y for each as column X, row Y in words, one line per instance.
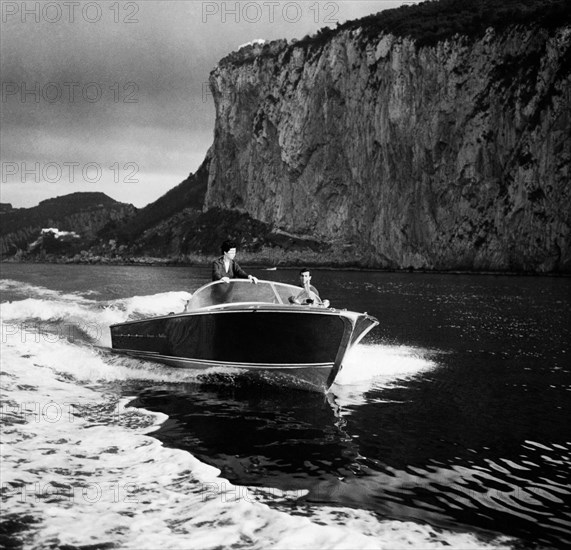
column 206, row 363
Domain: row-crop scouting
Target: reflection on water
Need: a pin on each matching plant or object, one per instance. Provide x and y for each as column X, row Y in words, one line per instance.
column 455, row 410
column 256, row 435
column 459, row 444
column 429, row 437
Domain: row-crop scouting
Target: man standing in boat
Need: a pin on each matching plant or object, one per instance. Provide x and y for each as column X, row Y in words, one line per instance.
column 309, row 295
column 226, row 268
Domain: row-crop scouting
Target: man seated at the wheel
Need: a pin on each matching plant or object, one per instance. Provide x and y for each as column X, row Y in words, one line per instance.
column 226, row 268
column 309, row 295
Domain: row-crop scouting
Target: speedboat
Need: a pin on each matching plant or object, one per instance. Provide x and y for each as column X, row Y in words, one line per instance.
column 249, row 327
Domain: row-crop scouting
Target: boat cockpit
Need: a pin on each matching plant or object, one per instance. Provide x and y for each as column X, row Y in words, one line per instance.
column 242, row 291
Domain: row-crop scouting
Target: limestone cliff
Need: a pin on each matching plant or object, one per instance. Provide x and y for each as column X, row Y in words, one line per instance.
column 454, row 155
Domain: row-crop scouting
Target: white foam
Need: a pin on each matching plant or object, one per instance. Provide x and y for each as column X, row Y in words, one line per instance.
column 366, row 362
column 157, row 304
column 368, row 366
column 36, row 291
column 73, row 313
column 80, row 461
column 103, row 480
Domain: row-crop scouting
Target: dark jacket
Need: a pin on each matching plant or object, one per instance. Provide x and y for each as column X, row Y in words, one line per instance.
column 234, row 270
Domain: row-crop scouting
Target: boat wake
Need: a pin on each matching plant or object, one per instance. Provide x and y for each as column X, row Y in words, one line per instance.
column 52, row 320
column 79, row 468
column 376, row 366
column 373, row 362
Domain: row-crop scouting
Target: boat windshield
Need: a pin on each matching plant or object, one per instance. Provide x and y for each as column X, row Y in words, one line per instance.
column 240, row 291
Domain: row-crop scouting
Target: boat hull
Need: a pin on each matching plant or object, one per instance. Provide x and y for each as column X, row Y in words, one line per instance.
column 287, row 343
column 308, row 376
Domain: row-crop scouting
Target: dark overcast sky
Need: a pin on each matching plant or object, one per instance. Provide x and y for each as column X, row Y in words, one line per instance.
column 110, row 96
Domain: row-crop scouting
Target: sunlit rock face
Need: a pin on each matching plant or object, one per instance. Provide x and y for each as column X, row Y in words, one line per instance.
column 455, row 156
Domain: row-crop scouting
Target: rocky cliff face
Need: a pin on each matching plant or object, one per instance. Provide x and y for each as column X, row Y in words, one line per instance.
column 452, row 156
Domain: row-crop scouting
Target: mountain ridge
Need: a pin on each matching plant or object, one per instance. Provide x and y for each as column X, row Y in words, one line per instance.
column 86, row 213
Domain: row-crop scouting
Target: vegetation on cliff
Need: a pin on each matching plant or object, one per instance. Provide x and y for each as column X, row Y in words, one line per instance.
column 87, row 214
column 189, row 236
column 430, row 22
column 188, row 194
column 55, row 209
column 427, row 23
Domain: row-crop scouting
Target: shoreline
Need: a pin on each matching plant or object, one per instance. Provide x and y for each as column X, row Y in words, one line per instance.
column 149, row 261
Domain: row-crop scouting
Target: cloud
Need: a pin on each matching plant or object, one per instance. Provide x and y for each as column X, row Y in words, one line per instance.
column 130, row 86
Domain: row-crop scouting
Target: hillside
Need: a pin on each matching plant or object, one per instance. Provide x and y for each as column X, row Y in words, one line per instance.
column 83, row 213
column 187, row 195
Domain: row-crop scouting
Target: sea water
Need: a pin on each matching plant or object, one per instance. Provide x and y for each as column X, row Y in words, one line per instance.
column 447, row 426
